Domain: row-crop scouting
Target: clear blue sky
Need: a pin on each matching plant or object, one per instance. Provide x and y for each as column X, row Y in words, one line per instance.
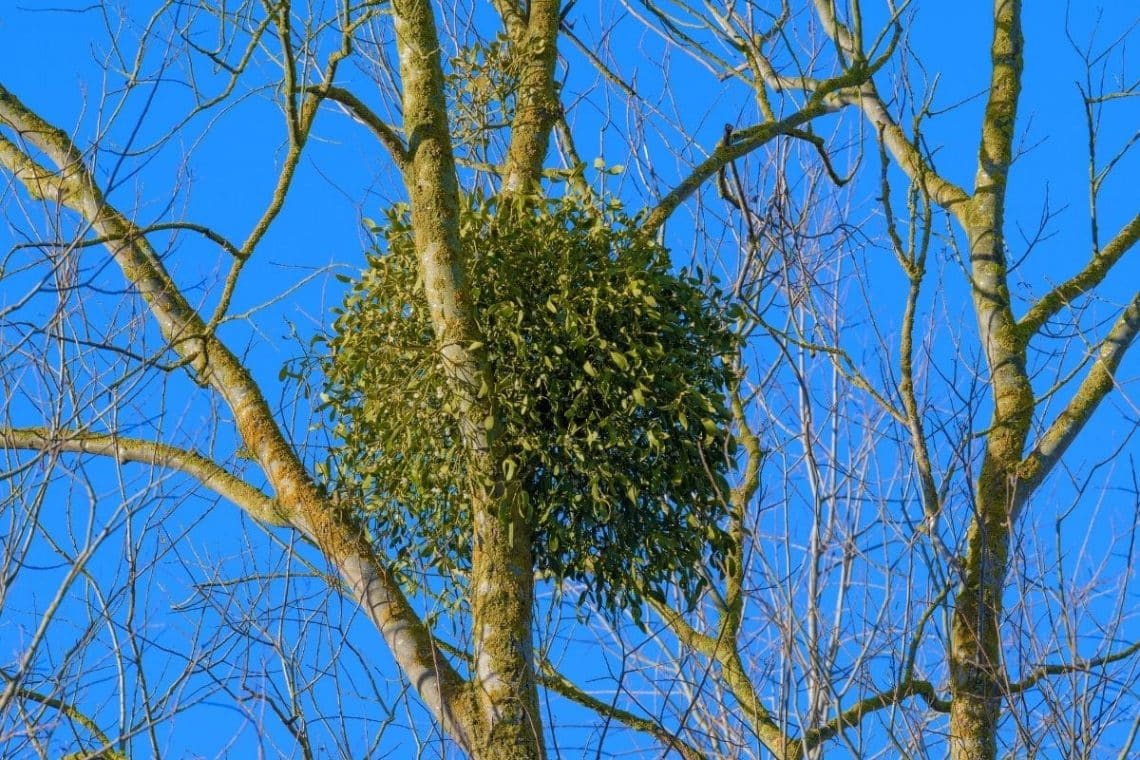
column 220, row 173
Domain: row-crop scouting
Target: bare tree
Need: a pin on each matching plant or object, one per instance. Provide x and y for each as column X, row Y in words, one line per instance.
column 974, row 478
column 881, row 579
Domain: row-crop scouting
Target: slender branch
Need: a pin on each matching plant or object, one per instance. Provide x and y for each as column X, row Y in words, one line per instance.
column 1088, row 278
column 912, row 257
column 908, row 687
column 559, row 684
column 104, row 751
column 298, row 121
column 1040, row 673
column 745, row 141
column 1126, row 750
column 600, row 66
column 386, row 134
column 854, row 715
column 1098, row 383
column 740, row 497
column 124, row 449
column 842, row 362
column 749, row 139
column 299, row 124
column 673, row 30
column 817, row 142
column 297, row 140
column 210, row 234
column 945, row 193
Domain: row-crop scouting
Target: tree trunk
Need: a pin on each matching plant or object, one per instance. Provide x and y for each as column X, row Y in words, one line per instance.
column 975, row 638
column 502, row 713
column 502, row 582
column 976, row 670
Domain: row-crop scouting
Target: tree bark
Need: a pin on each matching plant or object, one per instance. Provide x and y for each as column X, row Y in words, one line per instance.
column 505, row 722
column 976, row 668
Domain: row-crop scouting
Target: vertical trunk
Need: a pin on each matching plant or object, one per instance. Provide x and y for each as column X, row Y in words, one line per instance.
column 502, row 577
column 502, row 713
column 501, row 603
column 975, row 639
column 538, row 107
column 976, row 669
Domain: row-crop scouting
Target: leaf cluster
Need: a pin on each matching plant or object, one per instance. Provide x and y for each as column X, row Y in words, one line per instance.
column 609, row 372
column 482, row 85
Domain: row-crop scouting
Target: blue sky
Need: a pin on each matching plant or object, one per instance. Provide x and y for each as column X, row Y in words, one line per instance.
column 207, row 564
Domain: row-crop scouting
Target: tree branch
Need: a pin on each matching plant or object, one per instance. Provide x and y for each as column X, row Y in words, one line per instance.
column 513, row 20
column 559, row 684
column 538, row 108
column 749, row 139
column 912, row 258
column 853, row 715
column 723, row 650
column 907, row 687
column 1088, row 278
column 1098, row 383
column 995, row 149
column 386, row 134
column 1044, row 671
column 945, row 193
column 745, row 141
column 504, row 709
column 104, row 750
column 124, row 449
column 741, row 496
column 298, row 498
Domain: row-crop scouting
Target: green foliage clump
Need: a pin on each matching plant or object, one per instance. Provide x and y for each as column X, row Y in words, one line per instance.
column 609, row 373
column 482, row 85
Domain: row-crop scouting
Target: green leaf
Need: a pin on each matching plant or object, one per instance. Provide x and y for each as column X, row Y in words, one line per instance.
column 616, row 458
